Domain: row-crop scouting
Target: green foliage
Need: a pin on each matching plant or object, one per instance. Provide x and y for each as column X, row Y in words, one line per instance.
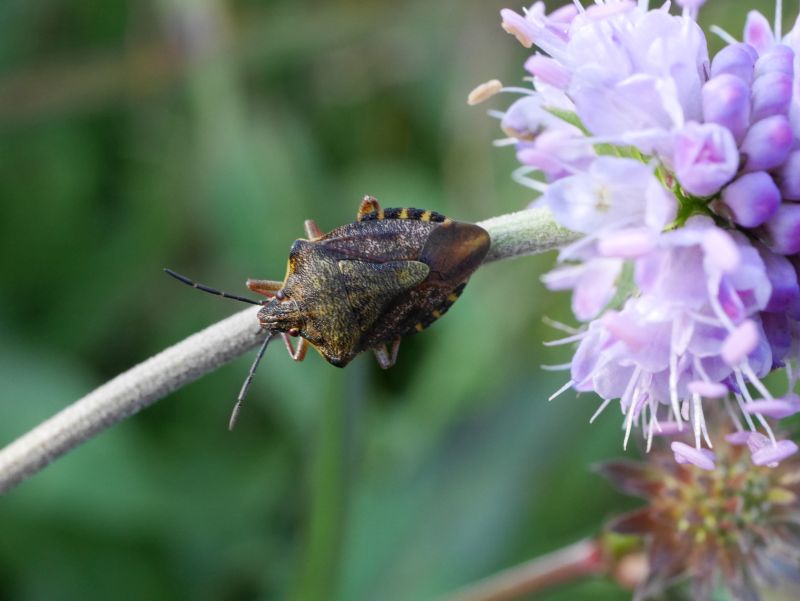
column 199, row 135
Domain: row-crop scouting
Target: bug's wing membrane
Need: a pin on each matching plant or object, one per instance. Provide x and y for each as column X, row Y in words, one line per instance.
column 371, row 286
column 454, row 250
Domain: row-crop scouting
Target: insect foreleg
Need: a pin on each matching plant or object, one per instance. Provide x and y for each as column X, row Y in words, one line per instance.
column 312, row 231
column 385, row 357
column 302, row 346
column 266, row 288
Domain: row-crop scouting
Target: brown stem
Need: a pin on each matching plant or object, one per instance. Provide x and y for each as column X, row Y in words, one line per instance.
column 579, row 560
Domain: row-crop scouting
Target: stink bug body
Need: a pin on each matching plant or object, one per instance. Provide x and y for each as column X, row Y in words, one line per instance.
column 366, row 285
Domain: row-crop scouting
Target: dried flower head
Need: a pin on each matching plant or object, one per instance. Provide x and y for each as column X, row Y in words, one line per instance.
column 736, row 527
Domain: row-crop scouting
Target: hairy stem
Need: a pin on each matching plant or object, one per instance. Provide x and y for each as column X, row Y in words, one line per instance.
column 584, row 558
column 522, row 233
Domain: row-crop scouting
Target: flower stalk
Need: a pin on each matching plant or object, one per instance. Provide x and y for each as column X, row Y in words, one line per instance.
column 574, row 562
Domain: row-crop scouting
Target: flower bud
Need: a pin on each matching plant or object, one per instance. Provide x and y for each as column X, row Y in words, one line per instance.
column 783, row 278
column 788, row 176
column 752, row 198
column 735, row 59
column 778, row 59
column 779, row 335
column 767, row 143
column 772, row 95
column 726, row 101
column 706, row 158
column 783, row 230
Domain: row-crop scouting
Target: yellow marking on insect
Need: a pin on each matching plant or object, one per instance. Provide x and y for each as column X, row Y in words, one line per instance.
column 419, row 327
column 452, row 297
column 447, row 220
column 404, row 214
column 426, row 216
column 436, row 314
column 380, row 213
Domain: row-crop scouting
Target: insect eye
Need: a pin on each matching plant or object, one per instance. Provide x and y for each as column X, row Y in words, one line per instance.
column 280, row 295
column 293, row 332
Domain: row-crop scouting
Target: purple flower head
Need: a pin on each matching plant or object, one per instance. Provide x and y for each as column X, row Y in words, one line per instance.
column 682, row 172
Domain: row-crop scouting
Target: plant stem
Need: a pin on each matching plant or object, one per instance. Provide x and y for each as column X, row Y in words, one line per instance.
column 523, row 233
column 579, row 560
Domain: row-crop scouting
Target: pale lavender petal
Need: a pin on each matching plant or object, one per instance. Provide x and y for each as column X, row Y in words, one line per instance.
column 752, row 198
column 721, row 251
column 740, row 343
column 599, row 12
column 773, row 454
column 767, row 143
column 758, row 32
column 595, row 288
column 726, row 101
column 526, row 118
column 702, row 458
column 710, row 390
column 661, row 206
column 564, row 14
column 624, row 329
column 706, row 158
column 557, row 153
column 783, row 230
column 549, row 70
column 609, row 195
column 776, row 408
column 628, row 243
column 639, row 103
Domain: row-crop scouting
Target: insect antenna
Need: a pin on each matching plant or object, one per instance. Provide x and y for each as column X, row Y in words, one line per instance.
column 204, row 288
column 246, row 386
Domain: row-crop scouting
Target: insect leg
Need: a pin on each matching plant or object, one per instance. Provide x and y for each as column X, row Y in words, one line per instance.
column 312, row 231
column 369, row 204
column 302, row 346
column 267, row 288
column 383, row 357
column 395, row 350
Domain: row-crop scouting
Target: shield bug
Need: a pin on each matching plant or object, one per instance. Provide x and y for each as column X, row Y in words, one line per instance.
column 365, row 285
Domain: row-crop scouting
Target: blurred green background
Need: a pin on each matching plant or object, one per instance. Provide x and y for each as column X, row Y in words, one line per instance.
column 198, row 134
